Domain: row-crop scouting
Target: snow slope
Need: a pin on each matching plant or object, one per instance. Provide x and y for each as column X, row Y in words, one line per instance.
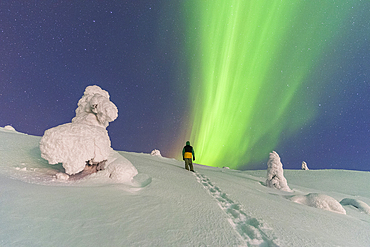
column 212, row 207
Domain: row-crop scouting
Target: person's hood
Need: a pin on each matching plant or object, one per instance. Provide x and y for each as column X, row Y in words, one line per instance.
column 188, row 143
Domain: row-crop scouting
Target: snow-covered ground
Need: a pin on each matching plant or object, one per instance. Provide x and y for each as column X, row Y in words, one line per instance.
column 174, row 207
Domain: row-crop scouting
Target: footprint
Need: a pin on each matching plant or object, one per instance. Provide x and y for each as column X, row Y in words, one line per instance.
column 250, row 229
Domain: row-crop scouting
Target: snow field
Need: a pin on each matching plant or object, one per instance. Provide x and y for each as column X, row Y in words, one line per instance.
column 169, row 206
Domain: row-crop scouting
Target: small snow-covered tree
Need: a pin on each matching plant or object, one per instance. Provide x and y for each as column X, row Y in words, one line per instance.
column 156, row 152
column 275, row 174
column 304, row 166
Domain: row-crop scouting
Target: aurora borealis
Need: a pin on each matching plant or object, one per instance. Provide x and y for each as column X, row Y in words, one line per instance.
column 251, row 73
column 238, row 79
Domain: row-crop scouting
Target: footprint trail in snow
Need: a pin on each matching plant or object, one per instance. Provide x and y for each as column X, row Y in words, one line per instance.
column 253, row 232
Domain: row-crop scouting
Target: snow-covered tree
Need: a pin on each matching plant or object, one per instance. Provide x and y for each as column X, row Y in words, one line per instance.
column 95, row 108
column 85, row 141
column 304, row 166
column 275, row 174
column 156, row 152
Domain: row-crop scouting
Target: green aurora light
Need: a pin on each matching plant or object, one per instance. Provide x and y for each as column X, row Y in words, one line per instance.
column 250, row 64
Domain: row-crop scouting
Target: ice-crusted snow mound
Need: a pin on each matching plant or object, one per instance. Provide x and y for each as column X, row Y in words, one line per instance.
column 360, row 205
column 9, row 127
column 119, row 168
column 319, row 201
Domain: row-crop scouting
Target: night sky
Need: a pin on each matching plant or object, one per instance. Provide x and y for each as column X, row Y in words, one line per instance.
column 153, row 59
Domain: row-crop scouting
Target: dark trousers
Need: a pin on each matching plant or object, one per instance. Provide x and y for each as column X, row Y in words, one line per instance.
column 189, row 163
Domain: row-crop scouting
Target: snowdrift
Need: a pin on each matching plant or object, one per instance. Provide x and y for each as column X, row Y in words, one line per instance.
column 319, row 201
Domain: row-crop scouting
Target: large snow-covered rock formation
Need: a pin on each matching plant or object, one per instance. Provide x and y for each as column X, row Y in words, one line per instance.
column 275, row 174
column 85, row 140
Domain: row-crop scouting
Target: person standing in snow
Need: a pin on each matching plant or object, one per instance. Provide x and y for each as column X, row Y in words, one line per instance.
column 188, row 155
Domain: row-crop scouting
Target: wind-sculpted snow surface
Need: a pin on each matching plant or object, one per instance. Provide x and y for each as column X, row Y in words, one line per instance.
column 360, row 205
column 168, row 207
column 251, row 230
column 170, row 210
